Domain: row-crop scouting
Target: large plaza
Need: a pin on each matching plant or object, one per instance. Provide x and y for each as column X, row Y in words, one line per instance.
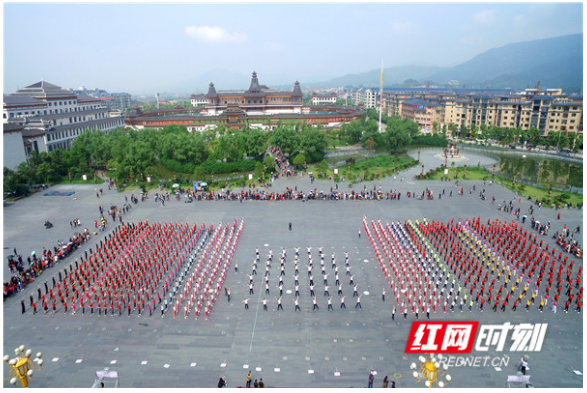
column 286, row 348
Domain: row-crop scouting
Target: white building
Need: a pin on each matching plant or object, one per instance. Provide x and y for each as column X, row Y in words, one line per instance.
column 199, row 100
column 369, row 98
column 318, row 99
column 14, row 151
column 52, row 117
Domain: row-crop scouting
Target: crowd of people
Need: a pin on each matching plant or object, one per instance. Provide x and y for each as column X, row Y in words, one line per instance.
column 281, row 161
column 566, row 239
column 499, row 264
column 204, row 281
column 298, row 279
column 24, row 275
column 334, row 194
column 140, row 267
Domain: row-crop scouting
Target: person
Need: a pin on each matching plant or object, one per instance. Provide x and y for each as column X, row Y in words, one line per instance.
column 385, row 381
column 290, row 226
column 261, row 384
column 221, row 382
column 358, row 305
column 392, row 384
column 249, row 378
column 371, row 380
column 524, row 366
column 256, row 384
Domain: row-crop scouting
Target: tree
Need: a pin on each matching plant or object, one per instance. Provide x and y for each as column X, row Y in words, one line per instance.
column 313, row 140
column 255, row 142
column 269, row 163
column 397, row 135
column 287, row 139
column 45, row 171
column 575, row 141
column 323, row 167
column 353, row 131
column 563, row 141
column 299, row 160
column 371, row 132
column 551, row 139
column 370, row 143
column 534, row 136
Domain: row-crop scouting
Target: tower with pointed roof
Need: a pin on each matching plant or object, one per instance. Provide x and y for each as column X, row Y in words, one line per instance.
column 254, row 87
column 257, row 99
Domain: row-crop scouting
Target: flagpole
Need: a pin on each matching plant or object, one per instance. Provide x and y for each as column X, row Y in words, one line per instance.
column 381, row 95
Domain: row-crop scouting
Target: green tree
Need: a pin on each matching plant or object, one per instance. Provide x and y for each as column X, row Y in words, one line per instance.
column 287, row 139
column 397, row 135
column 313, row 140
column 299, row 160
column 269, row 163
column 551, row 139
column 255, row 142
column 534, row 136
column 371, row 131
column 353, row 131
column 45, row 171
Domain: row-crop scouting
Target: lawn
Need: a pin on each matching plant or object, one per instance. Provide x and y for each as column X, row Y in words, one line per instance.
column 368, row 169
column 536, row 193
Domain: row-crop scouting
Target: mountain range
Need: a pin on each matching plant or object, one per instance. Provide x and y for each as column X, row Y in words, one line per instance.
column 555, row 62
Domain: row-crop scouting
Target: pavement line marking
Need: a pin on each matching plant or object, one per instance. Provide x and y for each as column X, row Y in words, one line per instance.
column 255, row 323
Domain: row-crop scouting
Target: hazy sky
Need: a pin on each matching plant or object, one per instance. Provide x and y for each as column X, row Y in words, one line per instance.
column 143, row 47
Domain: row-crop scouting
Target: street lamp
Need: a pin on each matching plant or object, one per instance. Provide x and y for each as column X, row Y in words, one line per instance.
column 422, row 173
column 418, row 155
column 430, row 371
column 22, row 366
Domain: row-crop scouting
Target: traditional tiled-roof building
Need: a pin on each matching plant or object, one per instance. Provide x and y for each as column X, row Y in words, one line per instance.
column 258, row 99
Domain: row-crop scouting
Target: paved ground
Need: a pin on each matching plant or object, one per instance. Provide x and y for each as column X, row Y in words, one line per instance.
column 320, row 348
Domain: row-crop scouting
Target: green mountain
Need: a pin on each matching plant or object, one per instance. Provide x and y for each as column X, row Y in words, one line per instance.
column 555, row 62
column 392, row 76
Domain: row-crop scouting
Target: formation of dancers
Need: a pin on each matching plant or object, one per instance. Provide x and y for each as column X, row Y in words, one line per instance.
column 441, row 267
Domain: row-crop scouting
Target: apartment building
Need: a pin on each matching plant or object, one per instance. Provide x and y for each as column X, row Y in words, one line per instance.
column 549, row 110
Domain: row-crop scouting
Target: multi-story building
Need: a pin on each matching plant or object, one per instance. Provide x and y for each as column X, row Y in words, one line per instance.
column 198, row 100
column 369, row 98
column 423, row 112
column 548, row 110
column 318, row 99
column 120, row 101
column 53, row 117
